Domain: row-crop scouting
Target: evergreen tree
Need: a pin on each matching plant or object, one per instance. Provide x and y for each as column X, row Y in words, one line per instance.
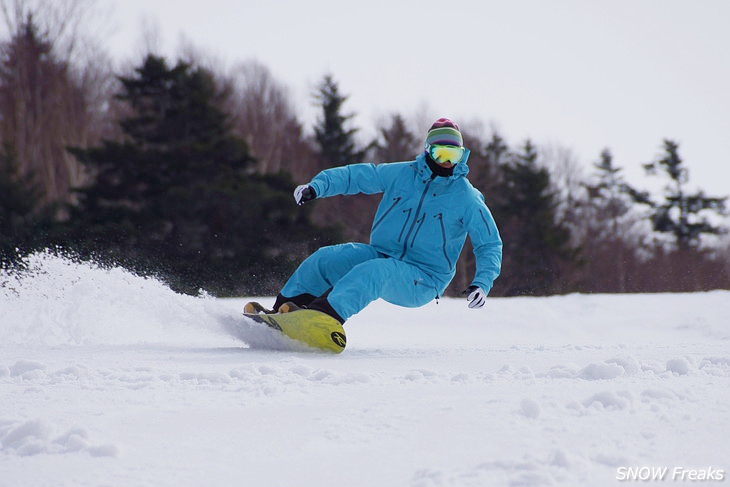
column 395, row 142
column 683, row 215
column 608, row 196
column 486, row 166
column 353, row 214
column 496, row 150
column 536, row 248
column 178, row 197
column 21, row 210
column 336, row 143
column 607, row 225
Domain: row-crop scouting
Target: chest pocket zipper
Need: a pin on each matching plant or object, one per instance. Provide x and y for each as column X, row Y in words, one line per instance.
column 440, row 217
column 405, row 223
column 396, row 200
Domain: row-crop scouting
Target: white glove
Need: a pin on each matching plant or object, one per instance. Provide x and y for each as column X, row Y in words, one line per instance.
column 476, row 296
column 304, row 193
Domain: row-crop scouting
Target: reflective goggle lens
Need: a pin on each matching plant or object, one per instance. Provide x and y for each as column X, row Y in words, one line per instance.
column 446, row 153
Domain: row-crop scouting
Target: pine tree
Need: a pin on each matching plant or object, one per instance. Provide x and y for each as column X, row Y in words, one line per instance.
column 607, row 228
column 336, row 143
column 178, row 196
column 395, row 142
column 537, row 251
column 683, row 215
column 609, row 195
column 486, row 165
column 21, row 211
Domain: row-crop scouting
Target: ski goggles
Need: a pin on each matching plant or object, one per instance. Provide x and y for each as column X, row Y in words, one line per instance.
column 446, row 153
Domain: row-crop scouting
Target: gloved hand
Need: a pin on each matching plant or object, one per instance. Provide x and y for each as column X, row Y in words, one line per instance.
column 304, row 193
column 476, row 296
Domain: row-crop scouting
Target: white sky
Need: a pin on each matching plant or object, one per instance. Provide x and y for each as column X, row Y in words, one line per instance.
column 582, row 74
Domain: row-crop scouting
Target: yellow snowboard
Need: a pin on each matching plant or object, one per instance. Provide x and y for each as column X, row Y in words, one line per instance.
column 314, row 329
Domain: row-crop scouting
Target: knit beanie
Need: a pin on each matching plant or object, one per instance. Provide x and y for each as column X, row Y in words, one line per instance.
column 444, row 132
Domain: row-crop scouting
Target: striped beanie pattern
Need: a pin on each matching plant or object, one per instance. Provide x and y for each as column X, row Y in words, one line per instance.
column 444, row 132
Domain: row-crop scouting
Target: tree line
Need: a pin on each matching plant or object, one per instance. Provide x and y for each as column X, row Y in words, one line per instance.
column 185, row 172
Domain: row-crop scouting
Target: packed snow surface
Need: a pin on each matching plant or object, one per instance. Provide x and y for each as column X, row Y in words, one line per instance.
column 110, row 379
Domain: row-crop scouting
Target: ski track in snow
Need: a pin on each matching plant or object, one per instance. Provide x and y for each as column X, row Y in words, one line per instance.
column 107, row 378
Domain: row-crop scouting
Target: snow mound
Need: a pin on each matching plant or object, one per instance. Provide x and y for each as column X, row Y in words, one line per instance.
column 55, row 300
column 38, row 436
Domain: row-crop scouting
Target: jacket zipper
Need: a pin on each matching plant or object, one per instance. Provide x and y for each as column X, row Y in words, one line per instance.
column 415, row 234
column 415, row 217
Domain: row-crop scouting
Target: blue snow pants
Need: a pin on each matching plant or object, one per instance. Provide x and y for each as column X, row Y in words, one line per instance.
column 358, row 274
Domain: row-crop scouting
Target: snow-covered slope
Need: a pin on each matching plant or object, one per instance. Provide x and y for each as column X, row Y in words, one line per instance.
column 107, row 378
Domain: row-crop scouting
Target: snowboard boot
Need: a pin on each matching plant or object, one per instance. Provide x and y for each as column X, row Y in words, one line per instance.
column 323, row 306
column 300, row 301
column 288, row 307
column 297, row 303
column 254, row 308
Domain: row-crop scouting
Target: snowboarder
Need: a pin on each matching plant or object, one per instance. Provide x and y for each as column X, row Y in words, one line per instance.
column 427, row 210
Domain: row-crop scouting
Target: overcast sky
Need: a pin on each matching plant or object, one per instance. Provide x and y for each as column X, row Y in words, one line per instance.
column 579, row 74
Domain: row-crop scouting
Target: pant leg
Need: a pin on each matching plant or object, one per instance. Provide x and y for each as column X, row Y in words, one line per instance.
column 394, row 281
column 325, row 267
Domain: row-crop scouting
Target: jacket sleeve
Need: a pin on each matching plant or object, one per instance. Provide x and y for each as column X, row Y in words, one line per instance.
column 350, row 179
column 487, row 244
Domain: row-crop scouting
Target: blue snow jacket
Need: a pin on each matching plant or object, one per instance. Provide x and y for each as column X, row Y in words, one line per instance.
column 423, row 219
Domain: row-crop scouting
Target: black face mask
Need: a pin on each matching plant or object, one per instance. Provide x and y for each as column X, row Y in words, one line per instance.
column 438, row 170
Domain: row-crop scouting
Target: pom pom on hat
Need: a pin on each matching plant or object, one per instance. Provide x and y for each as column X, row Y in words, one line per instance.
column 444, row 132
